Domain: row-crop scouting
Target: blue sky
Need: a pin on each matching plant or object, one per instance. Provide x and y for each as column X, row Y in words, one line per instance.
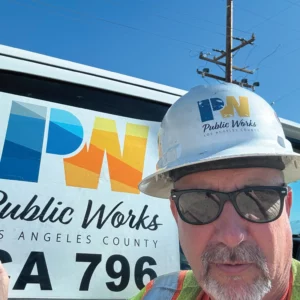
column 160, row 41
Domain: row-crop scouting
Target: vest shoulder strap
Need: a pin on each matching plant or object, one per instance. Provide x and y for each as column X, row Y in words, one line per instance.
column 173, row 286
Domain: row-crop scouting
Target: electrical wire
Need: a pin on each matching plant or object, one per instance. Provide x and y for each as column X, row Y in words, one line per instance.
column 170, row 10
column 206, row 81
column 210, row 22
column 285, row 95
column 265, row 18
column 270, row 18
column 221, row 68
column 92, row 17
column 197, row 53
column 249, row 54
column 185, row 23
column 236, row 52
column 266, row 57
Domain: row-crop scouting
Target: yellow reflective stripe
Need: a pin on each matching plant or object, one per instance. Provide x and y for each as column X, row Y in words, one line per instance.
column 190, row 289
column 296, row 280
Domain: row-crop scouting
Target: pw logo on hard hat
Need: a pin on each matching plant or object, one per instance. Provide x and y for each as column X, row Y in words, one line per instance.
column 207, row 107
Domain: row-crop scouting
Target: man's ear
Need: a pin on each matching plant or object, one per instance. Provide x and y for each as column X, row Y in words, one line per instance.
column 289, row 201
column 174, row 210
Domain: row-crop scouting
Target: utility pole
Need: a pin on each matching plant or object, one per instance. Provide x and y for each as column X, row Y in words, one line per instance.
column 228, row 64
column 229, row 25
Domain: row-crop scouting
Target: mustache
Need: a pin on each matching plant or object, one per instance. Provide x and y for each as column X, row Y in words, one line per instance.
column 243, row 253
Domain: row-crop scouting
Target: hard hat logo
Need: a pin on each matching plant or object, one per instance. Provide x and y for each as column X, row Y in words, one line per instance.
column 219, row 111
column 207, row 107
column 242, row 108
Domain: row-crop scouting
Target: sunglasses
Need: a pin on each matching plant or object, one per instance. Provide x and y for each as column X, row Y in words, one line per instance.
column 257, row 204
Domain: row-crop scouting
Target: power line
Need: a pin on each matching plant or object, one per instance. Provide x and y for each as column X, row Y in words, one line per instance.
column 92, row 17
column 249, row 54
column 263, row 59
column 82, row 14
column 282, row 56
column 208, row 21
column 195, row 55
column 269, row 55
column 266, row 19
column 221, row 69
column 116, row 23
column 197, row 18
column 288, row 53
column 294, row 3
column 270, row 18
column 249, row 11
column 236, row 53
column 285, row 95
column 196, row 26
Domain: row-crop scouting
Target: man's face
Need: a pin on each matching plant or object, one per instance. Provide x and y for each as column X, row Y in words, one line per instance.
column 219, row 252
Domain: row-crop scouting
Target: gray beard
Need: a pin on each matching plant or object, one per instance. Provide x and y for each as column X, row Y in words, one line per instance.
column 254, row 291
column 246, row 253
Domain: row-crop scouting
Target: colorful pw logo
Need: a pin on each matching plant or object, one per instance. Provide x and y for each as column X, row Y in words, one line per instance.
column 22, row 151
column 208, row 106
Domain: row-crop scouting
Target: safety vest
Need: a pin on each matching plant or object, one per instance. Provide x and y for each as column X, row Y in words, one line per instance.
column 182, row 285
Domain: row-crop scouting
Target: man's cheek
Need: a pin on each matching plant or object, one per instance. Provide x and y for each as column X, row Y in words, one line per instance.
column 192, row 243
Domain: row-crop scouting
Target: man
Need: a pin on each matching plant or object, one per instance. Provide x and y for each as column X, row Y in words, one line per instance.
column 224, row 164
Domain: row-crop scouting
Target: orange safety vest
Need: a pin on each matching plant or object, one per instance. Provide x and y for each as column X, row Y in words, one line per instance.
column 182, row 285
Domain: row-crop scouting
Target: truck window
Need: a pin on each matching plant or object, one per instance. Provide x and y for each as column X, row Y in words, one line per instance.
column 81, row 96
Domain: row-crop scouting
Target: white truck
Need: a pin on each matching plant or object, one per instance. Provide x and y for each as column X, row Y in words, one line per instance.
column 74, row 143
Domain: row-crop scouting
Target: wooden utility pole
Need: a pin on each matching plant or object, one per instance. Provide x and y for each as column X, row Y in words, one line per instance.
column 229, row 25
column 228, row 54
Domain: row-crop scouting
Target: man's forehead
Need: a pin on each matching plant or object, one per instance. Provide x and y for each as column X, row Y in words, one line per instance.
column 241, row 177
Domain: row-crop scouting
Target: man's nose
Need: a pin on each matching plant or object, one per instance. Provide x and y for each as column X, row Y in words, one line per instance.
column 231, row 228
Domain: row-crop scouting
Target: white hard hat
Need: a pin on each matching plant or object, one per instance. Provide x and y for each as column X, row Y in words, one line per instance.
column 217, row 127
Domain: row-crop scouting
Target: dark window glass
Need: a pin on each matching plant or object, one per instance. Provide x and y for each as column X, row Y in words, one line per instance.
column 81, row 96
column 296, row 247
column 295, row 144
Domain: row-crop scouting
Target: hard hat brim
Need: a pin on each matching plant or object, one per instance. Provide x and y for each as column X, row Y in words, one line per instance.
column 160, row 184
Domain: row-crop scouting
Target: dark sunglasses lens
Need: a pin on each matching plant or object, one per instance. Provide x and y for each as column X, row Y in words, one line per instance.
column 259, row 205
column 199, row 207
